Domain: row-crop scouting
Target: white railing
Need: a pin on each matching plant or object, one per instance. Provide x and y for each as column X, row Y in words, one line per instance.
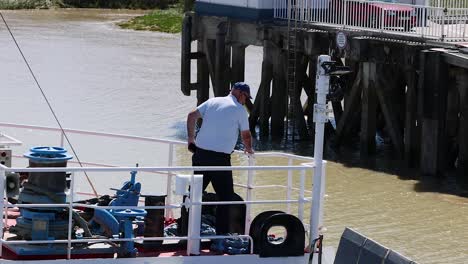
column 440, row 21
column 449, row 3
column 195, row 215
column 171, row 144
column 305, row 170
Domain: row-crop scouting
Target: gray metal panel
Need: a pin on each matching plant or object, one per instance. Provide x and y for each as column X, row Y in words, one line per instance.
column 349, row 248
column 372, row 253
column 395, row 258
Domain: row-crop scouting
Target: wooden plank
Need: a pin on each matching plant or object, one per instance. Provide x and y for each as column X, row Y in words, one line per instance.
column 279, row 95
column 369, row 109
column 264, row 98
column 389, row 111
column 351, row 106
column 210, row 48
column 456, row 59
column 299, row 117
column 203, row 76
column 238, row 63
column 185, row 72
column 412, row 130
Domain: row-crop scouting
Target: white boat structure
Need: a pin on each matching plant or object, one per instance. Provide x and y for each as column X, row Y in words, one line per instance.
column 38, row 228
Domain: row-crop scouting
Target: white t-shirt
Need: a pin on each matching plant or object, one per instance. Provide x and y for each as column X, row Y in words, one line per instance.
column 223, row 117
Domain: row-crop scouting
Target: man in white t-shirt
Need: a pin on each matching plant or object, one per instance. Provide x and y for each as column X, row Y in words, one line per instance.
column 223, row 118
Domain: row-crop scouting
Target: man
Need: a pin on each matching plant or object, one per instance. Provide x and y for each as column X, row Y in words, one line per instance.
column 223, row 118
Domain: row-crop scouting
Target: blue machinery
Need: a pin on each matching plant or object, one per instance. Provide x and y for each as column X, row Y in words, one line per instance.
column 45, row 188
column 46, row 223
column 121, row 220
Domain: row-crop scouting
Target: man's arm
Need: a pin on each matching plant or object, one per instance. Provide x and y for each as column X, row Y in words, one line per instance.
column 247, row 140
column 191, row 121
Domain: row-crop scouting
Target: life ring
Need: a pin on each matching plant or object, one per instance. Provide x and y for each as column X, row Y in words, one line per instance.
column 256, row 226
column 292, row 245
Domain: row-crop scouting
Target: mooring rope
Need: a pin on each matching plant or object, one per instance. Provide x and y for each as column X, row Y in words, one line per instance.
column 48, row 103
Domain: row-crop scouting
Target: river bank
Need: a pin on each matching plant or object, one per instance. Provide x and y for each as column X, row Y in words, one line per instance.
column 163, row 20
column 166, row 15
column 115, row 4
column 28, row 4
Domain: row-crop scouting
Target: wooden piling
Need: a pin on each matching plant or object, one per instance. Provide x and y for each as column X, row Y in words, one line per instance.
column 412, row 125
column 185, row 55
column 386, row 87
column 209, row 46
column 351, row 103
column 279, row 94
column 369, row 109
column 221, row 87
column 238, row 63
column 412, row 129
column 434, row 96
column 462, row 162
column 203, row 76
column 299, row 117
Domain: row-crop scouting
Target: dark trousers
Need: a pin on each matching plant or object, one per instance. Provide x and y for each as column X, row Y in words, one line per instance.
column 221, row 180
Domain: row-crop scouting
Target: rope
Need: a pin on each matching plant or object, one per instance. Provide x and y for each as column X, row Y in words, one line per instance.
column 48, row 103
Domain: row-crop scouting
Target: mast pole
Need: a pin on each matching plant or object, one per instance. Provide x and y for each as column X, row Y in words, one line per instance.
column 320, row 118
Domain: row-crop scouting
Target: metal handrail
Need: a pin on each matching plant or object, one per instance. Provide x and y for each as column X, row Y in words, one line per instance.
column 170, row 143
column 169, row 171
column 71, row 204
column 443, row 21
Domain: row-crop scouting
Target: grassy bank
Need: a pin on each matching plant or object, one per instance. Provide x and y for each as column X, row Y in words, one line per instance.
column 165, row 20
column 28, row 4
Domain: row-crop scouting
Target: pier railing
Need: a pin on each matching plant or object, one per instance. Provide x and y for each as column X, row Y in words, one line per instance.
column 439, row 20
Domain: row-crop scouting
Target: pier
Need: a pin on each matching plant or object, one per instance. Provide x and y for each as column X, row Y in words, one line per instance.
column 409, row 79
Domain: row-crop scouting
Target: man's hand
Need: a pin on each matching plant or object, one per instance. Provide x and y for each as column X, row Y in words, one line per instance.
column 249, row 151
column 247, row 139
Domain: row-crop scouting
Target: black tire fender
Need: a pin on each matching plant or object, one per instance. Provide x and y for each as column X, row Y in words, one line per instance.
column 293, row 244
column 256, row 225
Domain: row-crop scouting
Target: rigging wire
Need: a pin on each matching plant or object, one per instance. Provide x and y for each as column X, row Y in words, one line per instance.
column 48, row 103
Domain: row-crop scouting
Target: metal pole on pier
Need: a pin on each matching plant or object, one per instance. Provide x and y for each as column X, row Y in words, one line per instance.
column 2, row 201
column 320, row 118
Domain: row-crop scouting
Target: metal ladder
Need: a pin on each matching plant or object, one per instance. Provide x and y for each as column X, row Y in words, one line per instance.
column 295, row 9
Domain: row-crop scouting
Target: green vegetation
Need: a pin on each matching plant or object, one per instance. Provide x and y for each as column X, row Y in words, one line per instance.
column 28, row 4
column 164, row 20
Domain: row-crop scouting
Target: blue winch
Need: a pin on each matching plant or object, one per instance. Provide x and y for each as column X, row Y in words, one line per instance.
column 44, row 188
column 120, row 221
